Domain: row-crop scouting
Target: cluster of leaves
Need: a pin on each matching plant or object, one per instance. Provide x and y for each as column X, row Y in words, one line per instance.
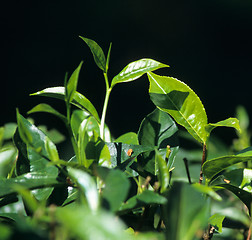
column 139, row 186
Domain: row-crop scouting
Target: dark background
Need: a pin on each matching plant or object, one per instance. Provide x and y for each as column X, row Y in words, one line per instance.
column 208, row 45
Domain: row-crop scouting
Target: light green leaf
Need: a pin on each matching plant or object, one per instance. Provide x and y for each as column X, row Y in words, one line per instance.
column 108, row 57
column 87, row 187
column 163, row 172
column 97, row 52
column 136, row 69
column 43, row 107
column 207, row 190
column 177, row 99
column 216, row 221
column 78, row 99
column 72, row 83
column 7, row 159
column 51, row 150
column 214, row 166
column 230, row 122
column 128, row 138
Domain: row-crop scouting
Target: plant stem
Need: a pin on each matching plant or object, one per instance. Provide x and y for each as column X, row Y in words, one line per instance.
column 204, row 154
column 105, row 106
column 187, row 170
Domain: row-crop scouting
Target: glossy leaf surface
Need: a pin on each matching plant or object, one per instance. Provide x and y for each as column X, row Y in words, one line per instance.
column 128, row 138
column 136, row 69
column 97, row 52
column 32, row 180
column 87, row 187
column 78, row 99
column 177, row 99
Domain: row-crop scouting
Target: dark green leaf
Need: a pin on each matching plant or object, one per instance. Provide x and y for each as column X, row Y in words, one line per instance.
column 116, row 188
column 157, row 130
column 147, row 197
column 181, row 102
column 136, row 69
column 78, row 99
column 97, row 52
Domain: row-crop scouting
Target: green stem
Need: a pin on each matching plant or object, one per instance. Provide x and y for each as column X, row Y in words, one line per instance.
column 105, row 106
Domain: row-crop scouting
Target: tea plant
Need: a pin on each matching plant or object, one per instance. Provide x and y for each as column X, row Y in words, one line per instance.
column 144, row 185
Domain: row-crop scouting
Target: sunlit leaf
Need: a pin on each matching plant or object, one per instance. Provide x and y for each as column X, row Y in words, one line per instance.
column 230, row 122
column 181, row 102
column 128, row 138
column 136, row 69
column 72, row 83
column 7, row 160
column 216, row 220
column 32, row 180
column 207, row 190
column 87, row 187
column 78, row 99
column 97, row 52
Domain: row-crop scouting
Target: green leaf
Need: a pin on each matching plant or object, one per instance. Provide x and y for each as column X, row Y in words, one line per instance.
column 216, row 221
column 163, row 172
column 230, row 122
column 48, row 109
column 87, row 187
column 143, row 199
column 181, row 102
column 7, row 159
column 97, row 52
column 78, row 99
column 121, row 152
column 207, row 190
column 34, row 145
column 214, row 166
column 186, row 213
column 128, row 138
column 157, row 130
column 72, row 83
column 116, row 188
column 81, row 223
column 136, row 69
column 32, row 180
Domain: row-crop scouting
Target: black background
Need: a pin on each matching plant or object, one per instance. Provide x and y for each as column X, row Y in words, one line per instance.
column 207, row 44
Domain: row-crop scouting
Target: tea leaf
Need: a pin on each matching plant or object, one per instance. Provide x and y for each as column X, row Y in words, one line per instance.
column 48, row 109
column 72, row 83
column 97, row 52
column 136, row 69
column 78, row 99
column 177, row 99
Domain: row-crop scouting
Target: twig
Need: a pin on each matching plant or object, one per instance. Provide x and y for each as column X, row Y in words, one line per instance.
column 203, row 160
column 187, row 170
